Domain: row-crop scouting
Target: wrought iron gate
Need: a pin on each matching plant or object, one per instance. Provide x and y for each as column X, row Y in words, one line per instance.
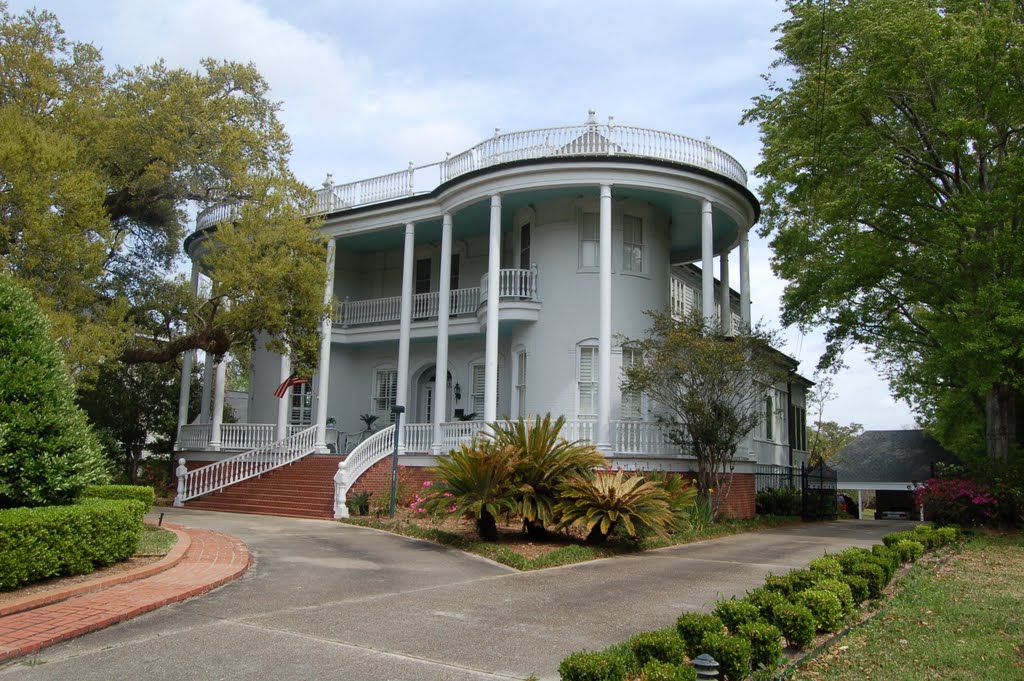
column 819, row 486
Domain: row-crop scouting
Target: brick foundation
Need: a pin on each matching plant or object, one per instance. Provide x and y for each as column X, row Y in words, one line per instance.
column 378, row 478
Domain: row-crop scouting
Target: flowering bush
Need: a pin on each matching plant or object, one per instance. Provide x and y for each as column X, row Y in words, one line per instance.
column 957, row 502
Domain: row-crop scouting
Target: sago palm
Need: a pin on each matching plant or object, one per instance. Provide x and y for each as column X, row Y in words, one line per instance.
column 601, row 502
column 475, row 480
column 544, row 462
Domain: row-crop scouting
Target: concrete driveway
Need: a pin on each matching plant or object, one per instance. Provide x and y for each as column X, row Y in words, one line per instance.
column 331, row 601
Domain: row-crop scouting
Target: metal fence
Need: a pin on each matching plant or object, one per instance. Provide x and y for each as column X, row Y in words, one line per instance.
column 770, row 476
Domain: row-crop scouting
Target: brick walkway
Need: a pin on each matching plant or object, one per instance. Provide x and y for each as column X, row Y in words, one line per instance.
column 209, row 560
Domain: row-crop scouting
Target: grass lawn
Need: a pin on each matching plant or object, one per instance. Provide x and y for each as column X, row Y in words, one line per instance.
column 964, row 622
column 155, row 541
column 516, row 550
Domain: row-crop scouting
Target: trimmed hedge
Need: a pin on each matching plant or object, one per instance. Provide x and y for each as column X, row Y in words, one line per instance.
column 592, row 666
column 661, row 646
column 49, row 541
column 693, row 627
column 662, row 671
column 735, row 613
column 731, row 652
column 137, row 492
column 797, row 625
column 765, row 647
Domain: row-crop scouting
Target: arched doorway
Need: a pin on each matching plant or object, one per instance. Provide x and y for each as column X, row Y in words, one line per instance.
column 427, row 386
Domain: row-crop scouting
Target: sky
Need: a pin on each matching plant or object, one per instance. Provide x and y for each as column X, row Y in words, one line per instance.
column 365, row 87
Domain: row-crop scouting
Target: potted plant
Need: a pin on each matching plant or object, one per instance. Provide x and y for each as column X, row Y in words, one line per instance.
column 359, row 503
column 368, row 419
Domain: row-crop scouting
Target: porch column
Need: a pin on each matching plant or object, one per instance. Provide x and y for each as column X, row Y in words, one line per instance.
column 707, row 248
column 444, row 300
column 604, row 324
column 404, row 327
column 218, row 402
column 745, row 279
column 493, row 272
column 204, row 408
column 324, row 370
column 185, row 389
column 284, row 403
column 724, row 299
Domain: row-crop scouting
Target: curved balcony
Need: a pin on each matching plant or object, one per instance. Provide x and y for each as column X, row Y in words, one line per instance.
column 589, row 139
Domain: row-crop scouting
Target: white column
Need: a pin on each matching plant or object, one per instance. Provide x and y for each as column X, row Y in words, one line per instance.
column 604, row 328
column 218, row 402
column 444, row 300
column 707, row 248
column 324, row 369
column 404, row 327
column 745, row 279
column 185, row 389
column 493, row 272
column 284, row 403
column 724, row 299
column 204, row 408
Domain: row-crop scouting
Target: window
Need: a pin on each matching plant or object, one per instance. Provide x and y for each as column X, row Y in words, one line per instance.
column 798, row 429
column 587, row 381
column 769, row 418
column 589, row 243
column 632, row 403
column 423, row 275
column 479, row 394
column 301, row 412
column 385, row 392
column 632, row 244
column 521, row 383
column 524, row 247
column 453, row 280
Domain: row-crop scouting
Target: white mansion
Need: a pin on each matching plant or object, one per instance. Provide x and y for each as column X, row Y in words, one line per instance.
column 494, row 284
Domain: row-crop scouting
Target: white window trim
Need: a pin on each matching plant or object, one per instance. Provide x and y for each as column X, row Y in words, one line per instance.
column 384, row 419
column 641, row 244
column 641, row 398
column 591, row 346
column 581, row 214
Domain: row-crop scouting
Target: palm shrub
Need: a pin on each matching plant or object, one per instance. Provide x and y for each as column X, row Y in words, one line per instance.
column 543, row 462
column 693, row 627
column 662, row 646
column 48, row 452
column 477, row 480
column 682, row 499
column 601, row 502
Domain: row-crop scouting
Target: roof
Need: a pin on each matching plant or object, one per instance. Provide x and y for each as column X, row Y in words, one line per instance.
column 896, row 456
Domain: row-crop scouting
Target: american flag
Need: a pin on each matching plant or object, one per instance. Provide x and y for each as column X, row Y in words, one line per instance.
column 282, row 389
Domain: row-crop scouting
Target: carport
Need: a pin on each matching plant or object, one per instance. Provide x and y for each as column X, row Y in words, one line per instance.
column 892, row 463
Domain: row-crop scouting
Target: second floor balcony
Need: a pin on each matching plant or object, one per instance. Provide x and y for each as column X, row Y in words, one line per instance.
column 518, row 296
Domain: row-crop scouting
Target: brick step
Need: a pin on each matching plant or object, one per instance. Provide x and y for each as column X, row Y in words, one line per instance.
column 286, row 484
column 252, row 501
column 326, row 511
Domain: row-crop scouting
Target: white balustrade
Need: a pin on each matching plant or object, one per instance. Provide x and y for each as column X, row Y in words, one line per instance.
column 194, row 436
column 250, row 464
column 246, row 436
column 455, row 433
column 369, row 452
column 418, row 437
column 520, row 284
column 424, row 306
column 640, row 438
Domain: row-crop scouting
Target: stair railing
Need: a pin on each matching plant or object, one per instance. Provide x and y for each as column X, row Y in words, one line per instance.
column 370, row 451
column 250, row 464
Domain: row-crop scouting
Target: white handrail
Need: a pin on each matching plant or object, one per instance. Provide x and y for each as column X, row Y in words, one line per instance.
column 369, row 452
column 217, row 476
column 194, row 436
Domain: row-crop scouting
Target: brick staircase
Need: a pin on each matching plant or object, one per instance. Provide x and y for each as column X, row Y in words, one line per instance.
column 304, row 489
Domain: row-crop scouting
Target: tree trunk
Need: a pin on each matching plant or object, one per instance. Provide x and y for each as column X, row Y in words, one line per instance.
column 487, row 527
column 1000, row 422
column 535, row 530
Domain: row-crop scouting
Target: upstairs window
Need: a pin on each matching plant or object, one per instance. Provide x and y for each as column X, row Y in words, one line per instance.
column 587, row 381
column 589, row 240
column 632, row 244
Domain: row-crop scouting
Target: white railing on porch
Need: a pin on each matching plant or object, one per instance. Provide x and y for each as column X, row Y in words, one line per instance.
column 194, row 436
column 255, row 462
column 237, row 436
column 369, row 452
column 512, row 284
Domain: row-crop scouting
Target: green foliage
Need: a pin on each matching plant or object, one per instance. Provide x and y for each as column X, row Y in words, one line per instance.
column 476, row 480
column 765, row 644
column 826, row 438
column 544, row 461
column 893, row 538
column 661, row 646
column 682, row 500
column 797, row 625
column 888, row 559
column 136, row 492
column 824, row 606
column 693, row 627
column 826, row 566
column 840, row 589
column 709, row 386
column 48, row 453
column 358, row 503
column 893, row 205
column 767, row 602
column 874, row 573
column 799, row 580
column 600, row 502
column 778, row 501
column 731, row 652
column 663, row 671
column 36, row 543
column 927, row 535
column 592, row 666
column 858, row 587
column 734, row 613
column 908, row 550
column 778, row 583
column 853, row 555
column 948, row 534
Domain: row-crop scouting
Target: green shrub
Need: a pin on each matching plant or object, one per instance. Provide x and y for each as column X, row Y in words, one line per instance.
column 851, row 556
column 736, row 612
column 824, row 606
column 592, row 666
column 777, row 583
column 48, row 453
column 875, row 576
column 765, row 646
column 783, row 501
column 800, row 580
column 474, row 481
column 693, row 627
column 887, row 558
column 600, row 503
column 767, row 603
column 663, row 646
column 50, row 541
column 731, row 652
column 841, row 590
column 947, row 534
column 137, row 492
column 927, row 535
column 858, row 587
column 797, row 625
column 893, row 537
column 662, row 671
column 909, row 550
column 826, row 566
